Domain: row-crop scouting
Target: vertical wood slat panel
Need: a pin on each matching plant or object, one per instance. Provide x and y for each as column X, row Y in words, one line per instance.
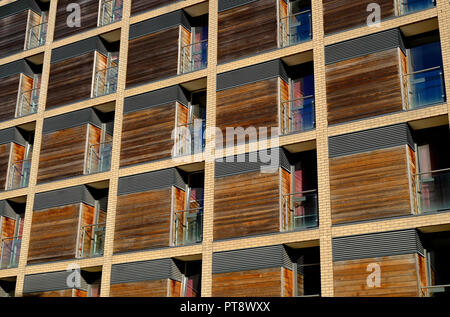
column 143, row 221
column 363, row 87
column 246, row 204
column 147, row 135
column 340, row 15
column 370, row 185
column 70, row 80
column 54, row 233
column 247, row 30
column 88, row 14
column 398, row 277
column 12, row 33
column 62, row 154
column 161, row 61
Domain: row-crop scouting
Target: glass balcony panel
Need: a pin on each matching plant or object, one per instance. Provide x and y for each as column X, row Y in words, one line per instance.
column 37, row 35
column 92, row 240
column 28, row 102
column 99, row 157
column 300, row 210
column 434, row 190
column 296, row 28
column 105, row 81
column 298, row 114
column 189, row 138
column 19, row 174
column 194, row 56
column 188, row 226
column 409, row 6
column 426, row 87
column 10, row 252
column 111, row 11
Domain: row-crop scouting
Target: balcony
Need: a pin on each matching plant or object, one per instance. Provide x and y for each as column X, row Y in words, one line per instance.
column 28, row 102
column 99, row 159
column 111, row 11
column 425, row 87
column 36, row 36
column 296, row 28
column 433, row 190
column 19, row 174
column 105, row 81
column 188, row 226
column 194, row 56
column 10, row 252
column 92, row 240
column 300, row 210
column 410, row 6
column 189, row 138
column 298, row 115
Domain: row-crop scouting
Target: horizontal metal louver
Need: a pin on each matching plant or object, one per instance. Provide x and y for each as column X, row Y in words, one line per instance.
column 142, row 271
column 155, row 98
column 370, row 140
column 159, row 23
column 17, row 67
column 149, row 181
column 78, row 48
column 63, row 197
column 377, row 245
column 11, row 135
column 71, row 119
column 19, row 6
column 251, row 74
column 364, row 45
column 230, row 4
column 53, row 281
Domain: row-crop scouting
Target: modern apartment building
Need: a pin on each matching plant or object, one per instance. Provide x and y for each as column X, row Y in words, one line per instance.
column 224, row 148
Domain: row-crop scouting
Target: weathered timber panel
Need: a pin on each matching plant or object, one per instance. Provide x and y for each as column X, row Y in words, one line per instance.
column 62, row 154
column 138, row 6
column 156, row 288
column 70, row 80
column 398, row 277
column 153, row 57
column 54, row 233
column 9, row 89
column 364, row 87
column 288, row 282
column 88, row 14
column 253, row 283
column 340, row 15
column 246, row 204
column 147, row 135
column 369, row 185
column 247, row 30
column 13, row 30
column 143, row 221
column 4, row 163
column 60, row 293
column 252, row 105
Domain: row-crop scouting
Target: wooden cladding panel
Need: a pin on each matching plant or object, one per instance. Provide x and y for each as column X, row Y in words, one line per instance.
column 87, row 218
column 7, row 228
column 153, row 57
column 17, row 155
column 398, row 277
column 138, row 6
column 175, row 288
column 9, row 89
column 369, row 185
column 143, row 220
column 246, row 204
column 155, row 288
column 88, row 14
column 79, row 293
column 54, row 233
column 286, row 189
column 4, row 163
column 147, row 135
column 70, row 80
column 59, row 293
column 247, row 30
column 13, row 30
column 363, row 87
column 412, row 179
column 340, row 15
column 252, row 283
column 252, row 105
column 288, row 283
column 62, row 154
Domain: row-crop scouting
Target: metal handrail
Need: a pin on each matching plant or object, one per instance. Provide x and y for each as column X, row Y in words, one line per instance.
column 434, row 171
column 422, row 71
column 285, row 27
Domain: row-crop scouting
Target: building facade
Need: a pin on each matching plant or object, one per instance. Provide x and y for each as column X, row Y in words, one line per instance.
column 224, row 148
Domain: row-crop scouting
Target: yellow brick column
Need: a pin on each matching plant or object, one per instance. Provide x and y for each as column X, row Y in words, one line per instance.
column 115, row 157
column 208, row 218
column 323, row 175
column 36, row 150
column 443, row 7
